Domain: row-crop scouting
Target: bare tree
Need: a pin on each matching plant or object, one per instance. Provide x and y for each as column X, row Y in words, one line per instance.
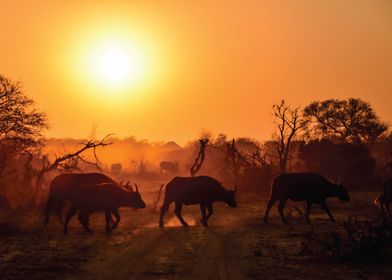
column 200, row 157
column 288, row 121
column 350, row 120
column 20, row 123
column 65, row 163
column 236, row 160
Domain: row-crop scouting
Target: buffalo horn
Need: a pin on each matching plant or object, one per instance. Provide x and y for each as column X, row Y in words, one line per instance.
column 128, row 187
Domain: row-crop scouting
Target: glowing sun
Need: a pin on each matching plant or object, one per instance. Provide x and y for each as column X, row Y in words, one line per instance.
column 115, row 64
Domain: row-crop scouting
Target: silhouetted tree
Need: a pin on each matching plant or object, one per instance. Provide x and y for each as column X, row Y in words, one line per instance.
column 234, row 160
column 142, row 169
column 348, row 162
column 239, row 162
column 200, row 156
column 350, row 120
column 20, row 123
column 246, row 164
column 289, row 121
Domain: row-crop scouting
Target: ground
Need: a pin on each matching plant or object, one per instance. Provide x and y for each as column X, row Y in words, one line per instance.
column 236, row 245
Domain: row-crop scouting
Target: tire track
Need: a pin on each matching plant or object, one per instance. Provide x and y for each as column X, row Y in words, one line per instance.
column 133, row 259
column 215, row 252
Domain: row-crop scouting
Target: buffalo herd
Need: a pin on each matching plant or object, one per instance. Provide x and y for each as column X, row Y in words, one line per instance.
column 95, row 192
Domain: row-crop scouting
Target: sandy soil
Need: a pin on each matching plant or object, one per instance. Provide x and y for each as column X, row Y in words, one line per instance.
column 236, row 245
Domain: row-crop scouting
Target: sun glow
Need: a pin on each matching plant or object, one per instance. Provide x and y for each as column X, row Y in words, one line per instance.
column 115, row 64
column 111, row 64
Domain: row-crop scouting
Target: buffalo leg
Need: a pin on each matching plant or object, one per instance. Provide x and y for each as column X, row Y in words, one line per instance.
column 271, row 203
column 70, row 213
column 308, row 208
column 108, row 218
column 111, row 220
column 116, row 214
column 203, row 215
column 387, row 205
column 83, row 219
column 48, row 208
column 87, row 221
column 59, row 208
column 210, row 210
column 282, row 204
column 164, row 209
column 177, row 211
column 381, row 215
column 326, row 209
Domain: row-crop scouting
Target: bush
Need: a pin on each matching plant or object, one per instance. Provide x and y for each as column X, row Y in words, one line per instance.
column 362, row 241
column 352, row 163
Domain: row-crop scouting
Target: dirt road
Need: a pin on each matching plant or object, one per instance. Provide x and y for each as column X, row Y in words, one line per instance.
column 236, row 245
column 197, row 252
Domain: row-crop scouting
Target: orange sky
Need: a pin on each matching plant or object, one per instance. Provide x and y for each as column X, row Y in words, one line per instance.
column 215, row 65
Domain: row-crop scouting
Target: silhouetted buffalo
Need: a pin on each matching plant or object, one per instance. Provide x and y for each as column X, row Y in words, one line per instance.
column 168, row 166
column 101, row 197
column 385, row 198
column 309, row 187
column 201, row 190
column 61, row 190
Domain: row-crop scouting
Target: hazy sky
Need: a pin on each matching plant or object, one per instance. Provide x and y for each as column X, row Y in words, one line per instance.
column 215, row 65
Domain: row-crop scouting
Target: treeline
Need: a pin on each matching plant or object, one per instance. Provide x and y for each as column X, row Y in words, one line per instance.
column 342, row 139
column 254, row 165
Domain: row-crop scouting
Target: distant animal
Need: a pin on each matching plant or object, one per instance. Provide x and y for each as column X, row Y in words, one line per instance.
column 61, row 190
column 168, row 167
column 107, row 197
column 385, row 198
column 4, row 203
column 116, row 167
column 308, row 187
column 201, row 190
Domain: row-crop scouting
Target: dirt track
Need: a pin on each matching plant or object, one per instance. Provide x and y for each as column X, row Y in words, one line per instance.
column 236, row 245
column 215, row 252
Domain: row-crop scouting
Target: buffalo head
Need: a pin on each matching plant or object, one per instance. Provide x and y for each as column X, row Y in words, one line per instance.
column 137, row 199
column 342, row 193
column 230, row 198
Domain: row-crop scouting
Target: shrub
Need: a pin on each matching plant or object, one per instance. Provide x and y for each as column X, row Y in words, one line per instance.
column 362, row 241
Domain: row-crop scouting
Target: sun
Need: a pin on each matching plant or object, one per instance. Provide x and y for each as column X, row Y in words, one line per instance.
column 115, row 64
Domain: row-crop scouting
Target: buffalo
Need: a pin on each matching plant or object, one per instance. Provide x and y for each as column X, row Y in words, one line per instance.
column 168, row 166
column 62, row 186
column 105, row 197
column 201, row 190
column 308, row 187
column 385, row 198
